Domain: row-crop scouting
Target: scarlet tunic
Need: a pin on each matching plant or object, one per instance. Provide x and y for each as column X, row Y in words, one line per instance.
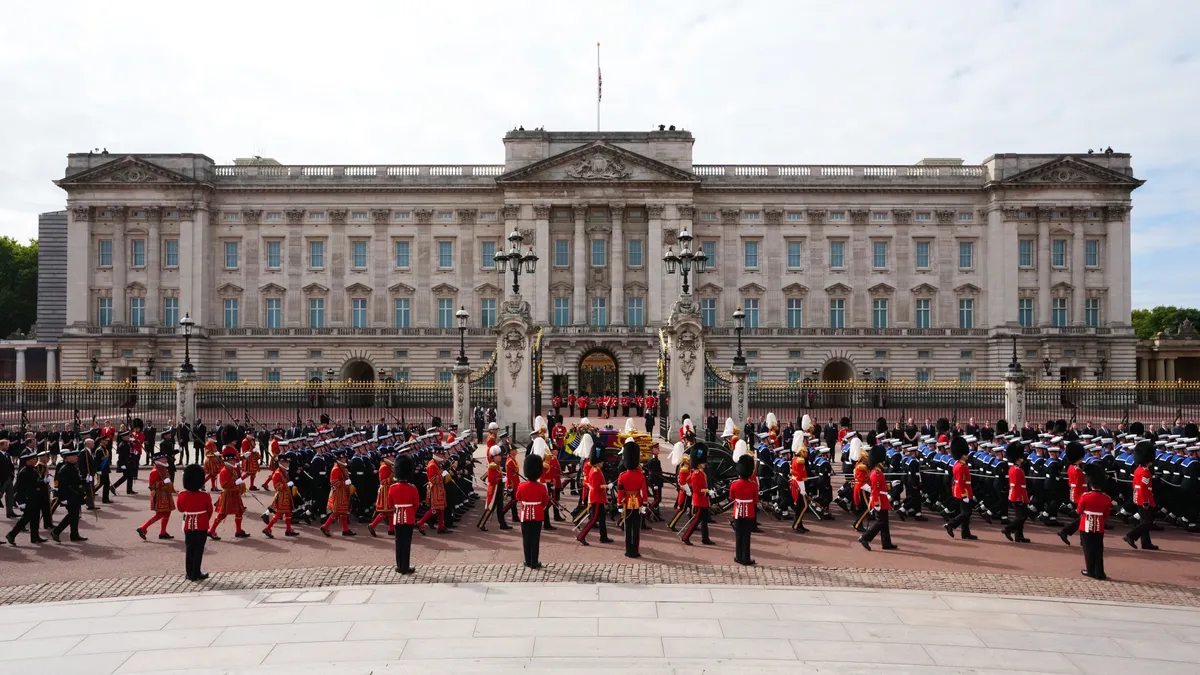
column 339, row 493
column 512, row 473
column 230, row 501
column 744, row 494
column 274, row 447
column 962, row 481
column 631, row 489
column 404, row 500
column 162, row 494
column 860, row 479
column 551, row 471
column 212, row 461
column 1143, row 487
column 491, row 441
column 383, row 504
column 799, row 472
column 1094, row 508
column 559, row 436
column 1075, row 482
column 683, row 477
column 493, row 480
column 587, row 473
column 195, row 507
column 247, row 445
column 699, row 488
column 1016, row 485
column 583, row 402
column 251, row 459
column 597, row 491
column 532, row 499
column 436, row 489
column 282, row 503
column 879, row 494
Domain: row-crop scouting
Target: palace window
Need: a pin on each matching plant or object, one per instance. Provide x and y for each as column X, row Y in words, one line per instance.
column 445, row 255
column 231, row 376
column 710, row 252
column 487, row 312
column 966, row 216
column 837, row 313
column 316, row 254
column 795, row 313
column 750, row 305
column 1025, row 312
column 923, row 313
column 1091, row 312
column 879, row 313
column 599, row 312
column 274, row 313
column 360, row 254
column 231, row 312
column 1058, row 257
column 105, row 252
column 633, row 312
column 487, row 255
column 445, row 312
column 402, row 259
column 171, row 253
column 879, row 216
column 170, row 312
column 922, row 216
column 922, row 255
column 274, row 255
column 879, row 255
column 358, row 312
column 316, row 312
column 795, row 257
column 1091, row 253
column 402, row 313
column 1025, row 253
column 837, row 254
column 966, row 313
column 1058, row 311
column 274, row 376
column 708, row 312
column 231, row 255
column 635, row 252
column 137, row 311
column 562, row 311
column 837, row 215
column 923, row 375
column 751, row 250
column 966, row 255
column 137, row 253
column 966, row 375
column 599, row 253
column 562, row 252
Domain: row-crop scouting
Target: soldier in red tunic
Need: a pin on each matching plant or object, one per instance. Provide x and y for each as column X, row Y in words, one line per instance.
column 858, row 455
column 597, row 495
column 632, row 496
column 212, row 462
column 162, row 497
column 583, row 405
column 880, row 503
column 404, row 499
column 552, row 477
column 1018, row 493
column 340, row 491
column 1143, row 496
column 230, row 501
column 1094, row 507
column 571, row 403
column 281, row 505
column 494, row 502
column 512, row 478
column 799, row 480
column 960, row 490
column 744, row 493
column 1075, row 487
column 195, row 506
column 437, row 477
column 250, row 461
column 532, row 500
column 383, row 502
column 683, row 482
column 700, row 498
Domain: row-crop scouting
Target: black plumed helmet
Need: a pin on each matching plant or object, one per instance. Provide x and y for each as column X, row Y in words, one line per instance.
column 1060, row 427
column 631, row 455
column 877, row 456
column 1074, row 452
column 881, row 426
column 697, row 456
column 943, row 425
column 1137, row 428
column 1015, row 452
column 845, row 422
column 1002, row 426
column 1143, row 452
column 1190, row 430
column 1095, row 475
column 958, row 447
column 402, row 469
column 193, row 477
column 533, row 467
column 745, row 467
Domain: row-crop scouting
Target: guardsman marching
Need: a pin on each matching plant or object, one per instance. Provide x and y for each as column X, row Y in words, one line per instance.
column 26, row 490
column 774, row 437
column 1143, row 496
column 512, row 478
column 230, row 501
column 700, row 498
column 340, row 491
column 71, row 493
column 1018, row 494
column 282, row 504
column 195, row 507
column 799, row 479
column 744, row 494
column 552, row 477
column 250, row 461
column 1094, row 507
column 880, row 503
column 597, row 497
column 682, row 461
column 494, row 503
column 532, row 500
column 540, row 449
column 383, row 502
column 858, row 455
column 162, row 497
column 632, row 496
column 960, row 490
column 212, row 462
column 404, row 499
column 435, row 492
column 1076, row 485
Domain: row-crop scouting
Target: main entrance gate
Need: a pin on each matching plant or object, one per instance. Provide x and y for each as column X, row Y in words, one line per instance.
column 598, row 374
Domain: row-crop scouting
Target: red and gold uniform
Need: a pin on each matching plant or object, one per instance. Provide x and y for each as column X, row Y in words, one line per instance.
column 162, row 501
column 250, row 461
column 212, row 463
column 700, row 503
column 861, row 475
column 281, row 505
column 597, row 498
column 1143, row 488
column 230, row 501
column 338, row 504
column 435, row 496
column 552, row 475
column 383, row 500
column 1075, row 483
column 799, row 476
column 961, row 488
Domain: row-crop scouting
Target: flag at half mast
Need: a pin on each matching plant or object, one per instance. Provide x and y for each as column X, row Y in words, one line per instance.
column 599, row 77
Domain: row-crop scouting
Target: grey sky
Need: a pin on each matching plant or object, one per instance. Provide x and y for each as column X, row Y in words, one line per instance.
column 757, row 82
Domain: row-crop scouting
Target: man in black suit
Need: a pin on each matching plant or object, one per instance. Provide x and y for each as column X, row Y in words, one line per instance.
column 831, row 434
column 71, row 494
column 710, row 426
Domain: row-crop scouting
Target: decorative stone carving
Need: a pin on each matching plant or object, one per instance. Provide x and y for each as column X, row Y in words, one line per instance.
column 902, row 216
column 686, row 347
column 599, row 228
column 579, row 211
column 635, row 357
column 617, row 210
column 510, row 211
column 686, row 211
column 815, row 216
column 513, row 345
column 424, row 216
column 381, row 216
column 1079, row 212
column 527, row 237
column 337, row 216
column 1011, row 212
column 186, row 212
column 294, row 216
column 541, row 211
column 654, row 211
column 945, row 216
column 670, row 236
column 860, row 216
column 118, row 212
column 730, row 216
column 1045, row 212
column 1117, row 211
column 81, row 213
column 251, row 216
column 598, row 165
column 774, row 216
column 466, row 216
column 153, row 213
column 134, row 174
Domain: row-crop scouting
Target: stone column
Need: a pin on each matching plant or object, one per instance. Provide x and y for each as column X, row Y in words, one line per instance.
column 617, row 262
column 541, row 276
column 514, row 367
column 153, row 267
column 654, row 270
column 1142, row 370
column 20, row 364
column 739, row 395
column 80, row 263
column 685, row 377
column 1043, row 266
column 336, row 314
column 120, row 268
column 185, row 396
column 1116, row 269
column 1160, row 370
column 1014, row 398
column 462, row 398
column 423, row 300
column 1170, row 370
column 1077, row 268
column 294, row 308
column 51, row 364
column 579, row 309
column 772, row 261
column 252, row 315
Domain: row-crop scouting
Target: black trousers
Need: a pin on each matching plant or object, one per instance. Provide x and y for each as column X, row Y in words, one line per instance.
column 963, row 517
column 531, row 539
column 70, row 520
column 31, row 517
column 498, row 505
column 633, row 532
column 1016, row 526
column 193, row 552
column 879, row 527
column 701, row 518
column 44, row 507
column 1070, row 528
column 1093, row 553
column 742, row 527
column 105, row 486
column 404, row 546
column 598, row 516
column 1142, row 529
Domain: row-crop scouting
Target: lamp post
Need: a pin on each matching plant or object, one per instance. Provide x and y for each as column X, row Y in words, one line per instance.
column 1046, row 365
column 515, row 261
column 150, row 369
column 96, row 372
column 187, row 324
column 1014, row 366
column 739, row 323
column 1101, row 367
column 329, row 374
column 686, row 259
column 462, row 315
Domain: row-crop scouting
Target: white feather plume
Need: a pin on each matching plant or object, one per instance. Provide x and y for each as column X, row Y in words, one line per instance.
column 629, row 427
column 772, row 421
column 729, row 428
column 585, row 422
column 539, row 424
column 585, row 448
column 676, row 455
column 798, row 442
column 540, row 447
column 740, row 448
column 855, row 449
column 806, row 424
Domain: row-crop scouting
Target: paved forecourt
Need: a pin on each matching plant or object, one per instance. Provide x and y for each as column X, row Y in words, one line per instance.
column 502, row 628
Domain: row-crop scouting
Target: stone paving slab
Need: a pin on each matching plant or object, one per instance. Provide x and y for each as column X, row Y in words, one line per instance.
column 721, row 577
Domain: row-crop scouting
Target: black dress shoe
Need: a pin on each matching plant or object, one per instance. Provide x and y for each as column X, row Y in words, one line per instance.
column 969, row 537
column 241, row 535
column 1008, row 535
column 708, row 542
column 1150, row 547
column 213, row 536
column 1024, row 540
column 39, row 540
column 349, row 533
column 1086, row 574
column 202, row 577
column 865, row 544
column 164, row 535
column 81, row 539
column 325, row 531
column 267, row 533
column 749, row 562
column 12, row 538
column 606, row 540
column 506, row 527
column 890, row 547
column 1129, row 541
column 291, row 533
column 1063, row 535
column 141, row 533
column 55, row 536
column 949, row 530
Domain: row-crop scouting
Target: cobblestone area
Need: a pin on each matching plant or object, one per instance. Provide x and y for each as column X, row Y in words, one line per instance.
column 821, row 577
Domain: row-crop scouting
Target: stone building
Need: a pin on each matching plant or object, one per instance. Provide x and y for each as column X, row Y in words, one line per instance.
column 905, row 272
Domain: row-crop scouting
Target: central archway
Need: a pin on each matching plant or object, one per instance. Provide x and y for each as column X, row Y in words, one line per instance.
column 598, row 373
column 358, row 371
column 837, row 371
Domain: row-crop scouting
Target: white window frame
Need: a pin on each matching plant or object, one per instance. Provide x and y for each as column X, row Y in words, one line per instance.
column 838, row 261
column 406, row 246
column 402, row 313
column 366, row 254
column 798, row 263
column 276, row 312
column 101, row 254
column 444, row 245
column 359, row 313
column 928, row 254
column 750, row 253
column 316, row 254
column 795, row 310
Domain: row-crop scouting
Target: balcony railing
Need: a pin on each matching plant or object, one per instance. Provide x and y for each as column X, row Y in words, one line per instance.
column 359, row 174
column 967, row 176
column 344, row 331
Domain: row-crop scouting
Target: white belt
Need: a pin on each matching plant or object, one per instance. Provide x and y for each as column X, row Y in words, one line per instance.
column 530, row 503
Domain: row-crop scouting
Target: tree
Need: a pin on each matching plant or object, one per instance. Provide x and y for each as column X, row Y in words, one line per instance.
column 1150, row 322
column 18, row 285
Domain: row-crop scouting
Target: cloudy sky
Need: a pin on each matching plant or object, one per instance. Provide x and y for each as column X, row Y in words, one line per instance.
column 757, row 82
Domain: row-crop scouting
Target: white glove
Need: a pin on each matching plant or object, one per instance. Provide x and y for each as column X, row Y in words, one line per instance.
column 687, row 490
column 712, row 493
column 503, row 479
column 89, row 479
column 240, row 481
column 610, row 486
column 348, row 482
column 290, row 483
column 122, row 467
column 166, row 481
column 47, row 479
column 643, row 510
column 445, row 473
column 966, row 500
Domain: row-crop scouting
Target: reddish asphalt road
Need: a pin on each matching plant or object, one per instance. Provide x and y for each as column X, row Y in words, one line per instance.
column 115, row 551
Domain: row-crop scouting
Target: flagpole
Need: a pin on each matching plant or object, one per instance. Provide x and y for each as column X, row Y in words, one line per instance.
column 599, row 87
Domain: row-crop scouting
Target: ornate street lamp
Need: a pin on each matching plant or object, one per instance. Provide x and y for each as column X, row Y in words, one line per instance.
column 186, row 323
column 1046, row 365
column 462, row 315
column 1101, row 368
column 515, row 261
column 329, row 374
column 150, row 368
column 1014, row 366
column 96, row 372
column 686, row 259
column 739, row 323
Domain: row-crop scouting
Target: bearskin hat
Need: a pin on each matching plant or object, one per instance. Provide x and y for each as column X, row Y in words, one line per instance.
column 1190, row 430
column 740, row 448
column 1060, row 427
column 943, row 425
column 958, row 447
column 1137, row 428
column 402, row 470
column 597, row 455
column 697, row 456
column 806, row 424
column 877, row 456
column 684, row 417
column 539, row 447
column 677, row 454
column 844, row 422
column 631, row 455
column 533, row 467
column 324, row 418
column 1143, row 452
column 1095, row 475
column 745, row 467
column 881, row 425
column 193, row 478
column 1001, row 426
column 1015, row 452
column 856, row 450
column 1074, row 452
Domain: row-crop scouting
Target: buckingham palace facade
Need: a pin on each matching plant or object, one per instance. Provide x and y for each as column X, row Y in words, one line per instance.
column 917, row 272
